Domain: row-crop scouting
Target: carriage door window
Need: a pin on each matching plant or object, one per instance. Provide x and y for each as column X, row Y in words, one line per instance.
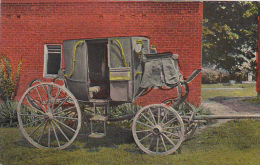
column 120, row 53
column 52, row 60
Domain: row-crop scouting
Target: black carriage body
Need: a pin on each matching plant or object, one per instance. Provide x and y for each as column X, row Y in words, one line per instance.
column 106, row 68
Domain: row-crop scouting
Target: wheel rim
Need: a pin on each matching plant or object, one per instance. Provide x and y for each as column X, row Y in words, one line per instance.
column 49, row 116
column 158, row 129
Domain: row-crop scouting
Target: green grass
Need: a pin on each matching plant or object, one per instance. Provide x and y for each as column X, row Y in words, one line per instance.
column 255, row 100
column 246, row 90
column 235, row 142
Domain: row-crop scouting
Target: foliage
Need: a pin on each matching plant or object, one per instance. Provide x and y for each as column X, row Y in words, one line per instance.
column 8, row 115
column 122, row 110
column 8, row 83
column 229, row 33
column 211, row 74
column 125, row 109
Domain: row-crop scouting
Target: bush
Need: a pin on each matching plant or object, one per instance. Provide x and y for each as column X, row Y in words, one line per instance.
column 211, row 75
column 8, row 115
column 8, row 83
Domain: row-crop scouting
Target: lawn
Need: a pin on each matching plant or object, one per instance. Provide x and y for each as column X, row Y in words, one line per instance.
column 236, row 90
column 235, row 142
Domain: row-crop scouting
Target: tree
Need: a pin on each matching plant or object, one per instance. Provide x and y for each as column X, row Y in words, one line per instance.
column 229, row 33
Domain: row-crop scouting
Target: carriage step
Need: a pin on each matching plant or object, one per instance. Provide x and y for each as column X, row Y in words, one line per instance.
column 98, row 117
column 97, row 135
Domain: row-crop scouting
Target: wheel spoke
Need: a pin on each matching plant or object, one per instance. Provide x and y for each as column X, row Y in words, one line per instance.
column 49, row 96
column 49, row 135
column 147, row 119
column 40, row 98
column 164, row 117
column 172, row 127
column 150, row 143
column 146, row 136
column 65, row 110
column 159, row 115
column 32, row 115
column 169, row 121
column 68, row 113
column 39, row 94
column 61, row 130
column 42, row 132
column 151, row 113
column 47, row 93
column 61, row 104
column 55, row 134
column 144, row 124
column 33, row 122
column 71, row 118
column 147, row 130
column 57, row 94
column 163, row 143
column 157, row 143
column 175, row 135
column 36, row 128
column 65, row 125
column 38, row 109
column 168, row 139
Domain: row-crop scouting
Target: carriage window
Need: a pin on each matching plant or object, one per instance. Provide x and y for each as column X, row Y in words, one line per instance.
column 52, row 60
column 119, row 54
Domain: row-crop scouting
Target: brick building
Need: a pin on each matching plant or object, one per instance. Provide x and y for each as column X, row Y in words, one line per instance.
column 28, row 26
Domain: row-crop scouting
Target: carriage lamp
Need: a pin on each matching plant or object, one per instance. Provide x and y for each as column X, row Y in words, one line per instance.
column 153, row 49
column 138, row 48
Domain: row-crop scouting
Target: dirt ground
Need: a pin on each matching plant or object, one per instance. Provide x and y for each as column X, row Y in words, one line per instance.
column 233, row 104
column 230, row 106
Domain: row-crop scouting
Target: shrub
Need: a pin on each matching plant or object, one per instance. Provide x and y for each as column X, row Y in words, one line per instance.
column 211, row 74
column 8, row 115
column 8, row 83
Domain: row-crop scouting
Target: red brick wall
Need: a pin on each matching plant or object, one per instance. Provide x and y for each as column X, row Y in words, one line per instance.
column 173, row 26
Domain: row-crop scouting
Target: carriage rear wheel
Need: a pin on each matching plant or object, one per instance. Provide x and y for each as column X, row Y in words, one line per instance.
column 186, row 109
column 158, row 129
column 49, row 116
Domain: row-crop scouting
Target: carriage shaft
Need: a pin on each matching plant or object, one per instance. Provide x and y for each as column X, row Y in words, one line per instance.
column 205, row 117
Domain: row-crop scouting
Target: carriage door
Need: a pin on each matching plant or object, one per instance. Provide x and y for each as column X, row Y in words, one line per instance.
column 76, row 68
column 120, row 69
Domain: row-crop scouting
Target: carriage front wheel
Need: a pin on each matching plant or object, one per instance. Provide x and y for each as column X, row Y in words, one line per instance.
column 158, row 129
column 49, row 116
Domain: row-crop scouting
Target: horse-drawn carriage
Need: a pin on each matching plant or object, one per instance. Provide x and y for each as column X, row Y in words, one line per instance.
column 99, row 74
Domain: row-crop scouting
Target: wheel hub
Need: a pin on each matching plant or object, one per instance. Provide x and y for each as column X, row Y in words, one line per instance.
column 157, row 130
column 49, row 116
